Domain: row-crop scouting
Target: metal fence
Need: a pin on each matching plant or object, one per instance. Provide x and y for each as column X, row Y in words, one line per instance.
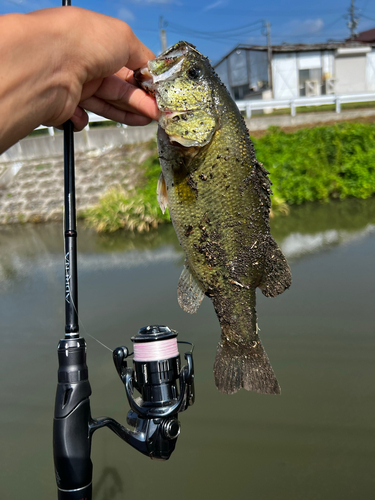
column 293, row 104
column 269, row 105
column 92, row 118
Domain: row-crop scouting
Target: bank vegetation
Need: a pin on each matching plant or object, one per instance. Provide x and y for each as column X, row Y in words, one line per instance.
column 311, row 164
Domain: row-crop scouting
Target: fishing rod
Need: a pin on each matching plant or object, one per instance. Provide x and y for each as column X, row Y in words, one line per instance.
column 165, row 387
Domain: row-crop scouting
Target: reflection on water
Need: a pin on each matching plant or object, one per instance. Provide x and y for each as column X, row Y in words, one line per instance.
column 314, row 441
column 24, row 248
column 315, row 226
column 307, row 230
column 109, row 484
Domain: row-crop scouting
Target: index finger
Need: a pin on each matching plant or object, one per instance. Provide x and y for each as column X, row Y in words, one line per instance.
column 138, row 53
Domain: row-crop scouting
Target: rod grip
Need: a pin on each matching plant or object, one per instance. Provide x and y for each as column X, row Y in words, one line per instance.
column 71, row 433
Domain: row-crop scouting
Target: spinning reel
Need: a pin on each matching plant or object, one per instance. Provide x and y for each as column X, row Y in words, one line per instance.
column 165, row 390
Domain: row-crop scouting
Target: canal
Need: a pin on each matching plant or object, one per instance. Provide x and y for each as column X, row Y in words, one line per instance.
column 315, row 441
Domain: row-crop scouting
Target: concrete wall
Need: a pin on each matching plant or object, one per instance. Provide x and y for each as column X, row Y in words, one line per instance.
column 103, row 139
column 87, row 140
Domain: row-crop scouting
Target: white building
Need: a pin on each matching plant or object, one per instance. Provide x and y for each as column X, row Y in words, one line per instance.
column 298, row 70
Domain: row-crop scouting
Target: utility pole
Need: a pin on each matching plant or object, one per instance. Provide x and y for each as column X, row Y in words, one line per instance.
column 353, row 21
column 163, row 34
column 267, row 26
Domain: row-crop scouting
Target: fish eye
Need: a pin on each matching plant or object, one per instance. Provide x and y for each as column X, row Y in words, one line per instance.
column 194, row 73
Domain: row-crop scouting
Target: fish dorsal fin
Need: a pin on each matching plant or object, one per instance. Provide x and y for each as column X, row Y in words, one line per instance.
column 189, row 291
column 161, row 193
column 276, row 276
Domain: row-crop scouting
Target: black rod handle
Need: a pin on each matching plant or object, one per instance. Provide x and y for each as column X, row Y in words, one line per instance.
column 71, row 424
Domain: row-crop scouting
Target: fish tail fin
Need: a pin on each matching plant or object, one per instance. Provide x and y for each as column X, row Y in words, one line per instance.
column 244, row 365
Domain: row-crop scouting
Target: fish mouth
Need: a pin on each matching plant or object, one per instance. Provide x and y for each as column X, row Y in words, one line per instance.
column 149, row 76
column 145, row 79
column 148, row 81
column 163, row 67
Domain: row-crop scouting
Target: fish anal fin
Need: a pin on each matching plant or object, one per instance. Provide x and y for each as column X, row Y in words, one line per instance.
column 277, row 276
column 189, row 292
column 161, row 193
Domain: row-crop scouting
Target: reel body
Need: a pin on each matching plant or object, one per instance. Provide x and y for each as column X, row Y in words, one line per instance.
column 165, row 389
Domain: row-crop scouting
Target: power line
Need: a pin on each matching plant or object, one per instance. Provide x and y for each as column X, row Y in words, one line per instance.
column 240, row 33
column 369, row 18
column 217, row 32
column 235, row 37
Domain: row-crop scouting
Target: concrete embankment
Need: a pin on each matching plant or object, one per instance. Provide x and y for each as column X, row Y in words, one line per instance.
column 104, row 138
column 31, row 172
column 108, row 138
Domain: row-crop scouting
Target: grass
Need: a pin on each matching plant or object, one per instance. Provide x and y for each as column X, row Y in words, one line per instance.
column 137, row 210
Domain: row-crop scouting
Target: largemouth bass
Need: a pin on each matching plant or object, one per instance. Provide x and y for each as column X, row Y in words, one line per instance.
column 219, row 200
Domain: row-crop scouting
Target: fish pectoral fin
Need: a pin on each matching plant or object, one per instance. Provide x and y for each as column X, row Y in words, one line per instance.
column 161, row 193
column 277, row 276
column 189, row 291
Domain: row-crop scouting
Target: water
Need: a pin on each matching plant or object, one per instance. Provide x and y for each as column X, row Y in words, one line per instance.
column 315, row 441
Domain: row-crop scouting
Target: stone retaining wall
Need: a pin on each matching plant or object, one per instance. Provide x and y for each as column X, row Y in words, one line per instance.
column 36, row 193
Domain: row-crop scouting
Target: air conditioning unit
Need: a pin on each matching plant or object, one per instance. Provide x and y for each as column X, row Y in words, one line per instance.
column 329, row 86
column 312, row 88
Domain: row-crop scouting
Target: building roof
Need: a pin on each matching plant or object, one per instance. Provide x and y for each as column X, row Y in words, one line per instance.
column 299, row 47
column 365, row 36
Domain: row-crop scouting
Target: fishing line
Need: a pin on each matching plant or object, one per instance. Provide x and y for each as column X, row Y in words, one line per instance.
column 89, row 334
column 74, row 306
column 84, row 328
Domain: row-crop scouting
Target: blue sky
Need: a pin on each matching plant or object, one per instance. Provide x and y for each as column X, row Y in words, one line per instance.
column 232, row 21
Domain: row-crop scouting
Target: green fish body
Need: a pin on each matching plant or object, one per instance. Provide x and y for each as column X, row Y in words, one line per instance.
column 219, row 200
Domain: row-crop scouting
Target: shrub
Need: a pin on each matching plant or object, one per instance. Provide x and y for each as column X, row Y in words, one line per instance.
column 136, row 210
column 320, row 163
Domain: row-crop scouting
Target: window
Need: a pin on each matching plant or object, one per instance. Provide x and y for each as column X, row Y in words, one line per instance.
column 240, row 92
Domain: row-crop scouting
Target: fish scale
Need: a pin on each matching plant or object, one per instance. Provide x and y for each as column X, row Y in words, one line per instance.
column 219, row 199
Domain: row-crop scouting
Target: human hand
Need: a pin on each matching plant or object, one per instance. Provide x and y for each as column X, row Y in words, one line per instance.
column 57, row 62
column 117, row 98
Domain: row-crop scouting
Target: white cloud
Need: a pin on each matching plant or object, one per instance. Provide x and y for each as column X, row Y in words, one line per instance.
column 214, row 5
column 307, row 27
column 314, row 25
column 125, row 15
